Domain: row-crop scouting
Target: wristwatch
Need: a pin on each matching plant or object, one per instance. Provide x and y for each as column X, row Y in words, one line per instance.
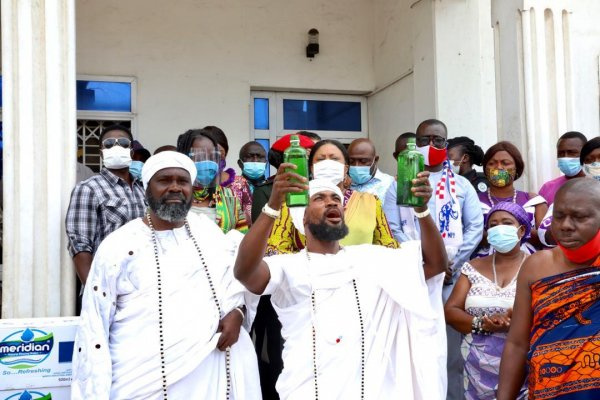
column 269, row 212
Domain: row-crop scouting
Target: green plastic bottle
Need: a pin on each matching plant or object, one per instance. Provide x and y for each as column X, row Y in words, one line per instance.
column 295, row 154
column 410, row 163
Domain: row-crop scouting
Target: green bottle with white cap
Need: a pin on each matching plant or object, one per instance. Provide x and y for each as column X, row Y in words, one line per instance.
column 296, row 154
column 410, row 163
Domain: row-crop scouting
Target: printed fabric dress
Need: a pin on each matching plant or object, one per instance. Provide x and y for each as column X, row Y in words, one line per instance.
column 482, row 352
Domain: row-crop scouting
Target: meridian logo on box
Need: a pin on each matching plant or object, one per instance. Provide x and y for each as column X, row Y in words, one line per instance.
column 30, row 396
column 26, row 348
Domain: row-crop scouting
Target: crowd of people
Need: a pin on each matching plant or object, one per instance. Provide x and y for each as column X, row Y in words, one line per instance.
column 202, row 283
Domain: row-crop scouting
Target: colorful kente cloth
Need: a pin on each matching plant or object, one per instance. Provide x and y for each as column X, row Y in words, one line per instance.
column 564, row 355
column 229, row 214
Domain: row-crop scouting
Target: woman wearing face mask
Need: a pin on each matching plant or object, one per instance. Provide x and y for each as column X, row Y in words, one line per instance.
column 227, row 176
column 590, row 158
column 463, row 154
column 480, row 305
column 503, row 165
column 217, row 203
column 363, row 212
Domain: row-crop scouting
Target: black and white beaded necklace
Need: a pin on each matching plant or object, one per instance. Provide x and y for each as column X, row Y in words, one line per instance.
column 362, row 339
column 160, row 308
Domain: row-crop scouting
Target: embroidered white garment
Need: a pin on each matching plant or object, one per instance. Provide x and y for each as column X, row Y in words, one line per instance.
column 405, row 343
column 117, row 346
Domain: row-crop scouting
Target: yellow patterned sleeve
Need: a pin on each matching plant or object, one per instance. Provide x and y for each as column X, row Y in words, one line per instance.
column 383, row 234
column 284, row 235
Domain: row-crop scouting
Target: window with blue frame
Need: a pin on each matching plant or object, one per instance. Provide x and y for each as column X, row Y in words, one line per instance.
column 261, row 113
column 103, row 96
column 98, row 97
column 322, row 115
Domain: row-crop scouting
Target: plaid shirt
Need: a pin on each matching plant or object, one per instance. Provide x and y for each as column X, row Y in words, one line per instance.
column 99, row 206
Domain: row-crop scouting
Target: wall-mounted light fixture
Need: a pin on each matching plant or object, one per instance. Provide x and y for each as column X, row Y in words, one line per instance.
column 313, row 43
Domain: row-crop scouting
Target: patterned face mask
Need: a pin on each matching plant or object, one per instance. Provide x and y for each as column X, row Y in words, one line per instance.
column 500, row 177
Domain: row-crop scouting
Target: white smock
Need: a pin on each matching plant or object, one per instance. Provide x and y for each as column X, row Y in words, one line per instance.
column 405, row 342
column 117, row 353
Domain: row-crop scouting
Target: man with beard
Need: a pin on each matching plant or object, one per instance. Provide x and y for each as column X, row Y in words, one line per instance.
column 554, row 334
column 161, row 311
column 357, row 321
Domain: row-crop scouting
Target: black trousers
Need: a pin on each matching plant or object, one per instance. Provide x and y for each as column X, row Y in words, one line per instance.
column 268, row 344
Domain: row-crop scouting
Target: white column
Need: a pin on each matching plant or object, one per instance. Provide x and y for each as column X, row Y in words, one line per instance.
column 39, row 121
column 533, row 87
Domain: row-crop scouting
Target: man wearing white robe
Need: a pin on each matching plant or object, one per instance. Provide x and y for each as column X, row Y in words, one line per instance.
column 117, row 351
column 333, row 302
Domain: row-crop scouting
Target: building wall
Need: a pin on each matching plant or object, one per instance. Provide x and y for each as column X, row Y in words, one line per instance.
column 391, row 105
column 465, row 80
column 438, row 57
column 197, row 61
column 585, row 45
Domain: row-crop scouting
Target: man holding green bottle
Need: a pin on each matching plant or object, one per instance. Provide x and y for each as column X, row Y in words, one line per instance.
column 333, row 301
column 457, row 214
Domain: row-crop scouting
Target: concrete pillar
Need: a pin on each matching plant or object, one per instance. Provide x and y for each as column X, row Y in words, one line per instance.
column 453, row 60
column 534, row 87
column 39, row 117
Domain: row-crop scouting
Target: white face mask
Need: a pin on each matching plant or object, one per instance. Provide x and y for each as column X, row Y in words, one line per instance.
column 455, row 168
column 592, row 170
column 330, row 170
column 116, row 157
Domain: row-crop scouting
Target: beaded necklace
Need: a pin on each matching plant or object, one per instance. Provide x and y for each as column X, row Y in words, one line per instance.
column 160, row 307
column 362, row 340
column 514, row 199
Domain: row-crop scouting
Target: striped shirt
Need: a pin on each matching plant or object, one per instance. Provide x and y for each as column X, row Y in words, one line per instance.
column 100, row 205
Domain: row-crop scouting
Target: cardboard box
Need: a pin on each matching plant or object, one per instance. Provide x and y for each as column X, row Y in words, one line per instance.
column 56, row 393
column 37, row 352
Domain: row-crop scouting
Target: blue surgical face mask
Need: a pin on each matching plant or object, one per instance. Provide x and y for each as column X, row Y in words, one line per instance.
column 360, row 175
column 206, row 171
column 503, row 238
column 135, row 169
column 569, row 166
column 254, row 170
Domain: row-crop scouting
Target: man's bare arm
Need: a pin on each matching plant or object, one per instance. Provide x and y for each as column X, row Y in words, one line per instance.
column 435, row 258
column 250, row 269
column 83, row 264
column 514, row 356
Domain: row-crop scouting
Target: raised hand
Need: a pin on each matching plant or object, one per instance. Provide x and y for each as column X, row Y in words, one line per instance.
column 422, row 188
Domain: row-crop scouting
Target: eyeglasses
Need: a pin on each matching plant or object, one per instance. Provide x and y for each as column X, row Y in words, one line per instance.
column 123, row 142
column 437, row 141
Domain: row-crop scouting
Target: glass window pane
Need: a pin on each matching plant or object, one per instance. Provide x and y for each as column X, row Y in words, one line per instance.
column 104, row 96
column 261, row 113
column 266, row 145
column 318, row 115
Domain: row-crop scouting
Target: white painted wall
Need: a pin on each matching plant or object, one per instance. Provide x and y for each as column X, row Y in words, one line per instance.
column 465, row 80
column 196, row 61
column 391, row 107
column 449, row 47
column 548, row 77
column 585, row 45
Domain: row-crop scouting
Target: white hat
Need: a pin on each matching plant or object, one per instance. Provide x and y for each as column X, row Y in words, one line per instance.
column 167, row 159
column 323, row 185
